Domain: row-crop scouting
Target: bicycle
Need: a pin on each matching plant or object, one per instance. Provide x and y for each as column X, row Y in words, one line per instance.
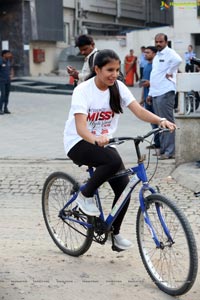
column 192, row 98
column 192, row 101
column 165, row 239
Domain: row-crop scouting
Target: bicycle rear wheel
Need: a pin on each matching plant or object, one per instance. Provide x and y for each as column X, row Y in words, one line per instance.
column 188, row 104
column 192, row 101
column 70, row 236
column 173, row 268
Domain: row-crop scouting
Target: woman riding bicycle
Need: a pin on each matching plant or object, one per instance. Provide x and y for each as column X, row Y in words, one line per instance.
column 93, row 118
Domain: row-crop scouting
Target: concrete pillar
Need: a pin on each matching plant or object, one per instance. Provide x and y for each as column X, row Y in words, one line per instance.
column 188, row 136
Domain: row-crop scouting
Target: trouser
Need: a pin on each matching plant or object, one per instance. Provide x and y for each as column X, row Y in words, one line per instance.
column 107, row 162
column 163, row 106
column 189, row 68
column 141, row 72
column 5, row 91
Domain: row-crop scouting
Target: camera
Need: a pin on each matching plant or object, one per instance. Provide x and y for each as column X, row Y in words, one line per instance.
column 195, row 61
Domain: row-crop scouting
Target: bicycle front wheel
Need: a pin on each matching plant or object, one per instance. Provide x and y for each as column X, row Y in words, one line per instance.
column 172, row 267
column 71, row 234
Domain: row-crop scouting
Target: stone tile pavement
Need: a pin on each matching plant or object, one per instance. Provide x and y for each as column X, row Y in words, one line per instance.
column 33, row 268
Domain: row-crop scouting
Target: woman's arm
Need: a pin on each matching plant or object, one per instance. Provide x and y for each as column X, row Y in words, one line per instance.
column 147, row 116
column 82, row 130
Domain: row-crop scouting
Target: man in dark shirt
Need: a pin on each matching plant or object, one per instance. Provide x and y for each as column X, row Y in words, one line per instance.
column 86, row 46
column 149, row 53
column 5, row 79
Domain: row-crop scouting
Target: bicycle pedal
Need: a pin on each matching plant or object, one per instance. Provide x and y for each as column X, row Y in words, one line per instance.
column 115, row 248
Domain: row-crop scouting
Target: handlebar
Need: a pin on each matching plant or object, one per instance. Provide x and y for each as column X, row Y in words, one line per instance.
column 137, row 139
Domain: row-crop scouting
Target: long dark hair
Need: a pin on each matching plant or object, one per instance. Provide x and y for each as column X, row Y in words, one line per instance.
column 102, row 58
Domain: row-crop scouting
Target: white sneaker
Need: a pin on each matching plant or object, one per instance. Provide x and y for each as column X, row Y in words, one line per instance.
column 122, row 243
column 87, row 205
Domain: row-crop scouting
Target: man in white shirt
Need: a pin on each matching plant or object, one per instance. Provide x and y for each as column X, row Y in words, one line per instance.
column 162, row 90
column 86, row 45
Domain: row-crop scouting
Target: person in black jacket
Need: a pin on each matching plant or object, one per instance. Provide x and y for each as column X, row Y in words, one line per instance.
column 6, row 73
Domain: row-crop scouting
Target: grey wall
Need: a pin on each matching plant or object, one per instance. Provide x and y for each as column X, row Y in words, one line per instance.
column 187, row 138
column 49, row 15
column 15, row 28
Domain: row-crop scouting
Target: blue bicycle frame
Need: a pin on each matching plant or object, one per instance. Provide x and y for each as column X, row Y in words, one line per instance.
column 138, row 174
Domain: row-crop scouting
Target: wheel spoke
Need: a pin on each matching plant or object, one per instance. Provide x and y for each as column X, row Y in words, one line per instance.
column 70, row 236
column 173, row 267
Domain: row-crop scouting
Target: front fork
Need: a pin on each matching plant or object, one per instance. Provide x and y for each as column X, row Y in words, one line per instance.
column 144, row 208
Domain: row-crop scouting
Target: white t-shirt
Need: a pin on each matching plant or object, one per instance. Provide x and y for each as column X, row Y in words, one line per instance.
column 91, row 101
column 86, row 68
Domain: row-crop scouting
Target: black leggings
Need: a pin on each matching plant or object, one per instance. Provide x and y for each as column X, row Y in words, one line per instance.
column 107, row 162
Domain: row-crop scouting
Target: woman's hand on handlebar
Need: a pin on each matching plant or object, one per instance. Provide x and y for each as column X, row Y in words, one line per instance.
column 167, row 124
column 101, row 140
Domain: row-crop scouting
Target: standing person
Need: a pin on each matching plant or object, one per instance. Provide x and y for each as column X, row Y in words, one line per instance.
column 130, row 66
column 86, row 45
column 6, row 74
column 162, row 89
column 150, row 53
column 96, row 106
column 188, row 56
column 142, row 61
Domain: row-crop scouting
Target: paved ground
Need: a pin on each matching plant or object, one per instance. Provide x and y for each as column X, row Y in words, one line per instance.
column 31, row 265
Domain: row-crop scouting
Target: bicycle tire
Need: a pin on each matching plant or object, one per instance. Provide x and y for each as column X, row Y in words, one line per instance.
column 71, row 237
column 188, row 104
column 192, row 99
column 197, row 100
column 174, row 268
